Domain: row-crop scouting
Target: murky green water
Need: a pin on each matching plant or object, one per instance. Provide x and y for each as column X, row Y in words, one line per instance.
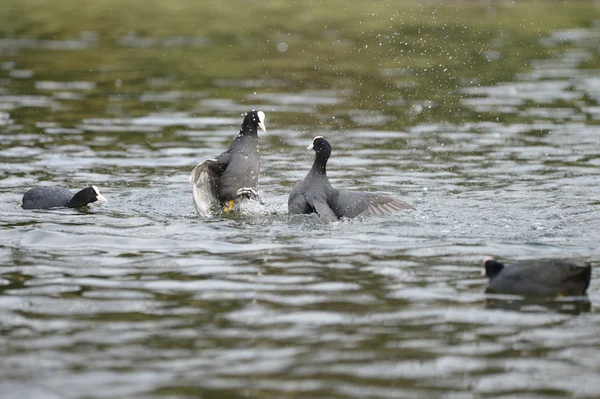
column 492, row 133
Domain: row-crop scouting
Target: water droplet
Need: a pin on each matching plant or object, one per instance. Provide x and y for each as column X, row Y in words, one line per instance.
column 282, row 47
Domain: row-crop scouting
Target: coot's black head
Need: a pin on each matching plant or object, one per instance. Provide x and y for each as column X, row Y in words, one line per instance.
column 491, row 267
column 253, row 120
column 322, row 150
column 86, row 196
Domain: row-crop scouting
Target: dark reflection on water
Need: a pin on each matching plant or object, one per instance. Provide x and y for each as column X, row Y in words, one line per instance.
column 139, row 298
column 572, row 306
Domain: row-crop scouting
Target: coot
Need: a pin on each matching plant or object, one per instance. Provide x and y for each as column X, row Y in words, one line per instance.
column 315, row 194
column 234, row 173
column 543, row 277
column 46, row 197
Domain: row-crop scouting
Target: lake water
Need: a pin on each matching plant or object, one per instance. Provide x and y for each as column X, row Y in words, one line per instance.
column 140, row 298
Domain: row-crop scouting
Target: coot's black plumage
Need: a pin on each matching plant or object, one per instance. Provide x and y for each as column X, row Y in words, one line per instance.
column 315, row 194
column 234, row 173
column 47, row 197
column 541, row 277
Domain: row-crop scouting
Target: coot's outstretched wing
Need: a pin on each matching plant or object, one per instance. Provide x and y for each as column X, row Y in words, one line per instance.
column 321, row 208
column 204, row 180
column 352, row 204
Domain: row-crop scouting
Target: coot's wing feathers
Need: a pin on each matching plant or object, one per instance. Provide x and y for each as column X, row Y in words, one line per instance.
column 46, row 197
column 550, row 271
column 301, row 202
column 203, row 180
column 523, row 279
column 297, row 204
column 322, row 208
column 356, row 204
column 242, row 170
column 544, row 277
column 383, row 205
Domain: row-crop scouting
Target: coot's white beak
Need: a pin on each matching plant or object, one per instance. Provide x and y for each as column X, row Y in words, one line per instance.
column 99, row 197
column 261, row 121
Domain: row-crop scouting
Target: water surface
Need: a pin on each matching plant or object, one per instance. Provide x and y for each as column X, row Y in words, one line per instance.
column 140, row 298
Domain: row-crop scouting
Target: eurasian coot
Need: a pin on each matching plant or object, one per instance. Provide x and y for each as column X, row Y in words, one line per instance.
column 315, row 194
column 46, row 197
column 234, row 173
column 542, row 277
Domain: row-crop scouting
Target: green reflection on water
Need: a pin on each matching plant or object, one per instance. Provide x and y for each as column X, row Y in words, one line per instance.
column 404, row 59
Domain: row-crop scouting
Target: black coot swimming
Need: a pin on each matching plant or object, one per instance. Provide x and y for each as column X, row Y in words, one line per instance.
column 315, row 194
column 234, row 173
column 46, row 197
column 542, row 277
